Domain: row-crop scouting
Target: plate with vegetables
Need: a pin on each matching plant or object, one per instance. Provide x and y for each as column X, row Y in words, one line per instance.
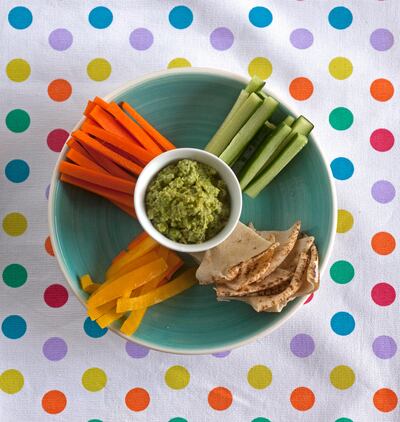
column 191, row 211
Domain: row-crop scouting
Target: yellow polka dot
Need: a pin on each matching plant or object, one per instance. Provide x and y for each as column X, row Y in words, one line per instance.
column 179, row 62
column 177, row 377
column 342, row 377
column 99, row 69
column 261, row 67
column 11, row 381
column 340, row 68
column 18, row 70
column 345, row 221
column 259, row 376
column 94, row 379
column 14, row 224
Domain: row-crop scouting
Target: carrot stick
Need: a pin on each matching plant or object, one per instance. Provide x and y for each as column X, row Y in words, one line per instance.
column 94, row 144
column 91, row 121
column 82, row 160
column 139, row 238
column 162, row 141
column 129, row 210
column 118, row 141
column 100, row 102
column 97, row 178
column 75, row 145
column 89, row 107
column 142, row 137
column 112, row 195
column 107, row 122
column 119, row 256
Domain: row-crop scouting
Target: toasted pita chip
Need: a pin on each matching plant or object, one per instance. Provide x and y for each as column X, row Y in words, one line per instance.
column 310, row 279
column 275, row 303
column 274, row 280
column 302, row 246
column 242, row 245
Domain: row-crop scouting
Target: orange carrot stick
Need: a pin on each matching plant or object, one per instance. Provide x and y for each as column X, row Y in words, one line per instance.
column 139, row 238
column 161, row 140
column 107, row 122
column 99, row 147
column 118, row 141
column 78, row 158
column 75, row 145
column 89, row 107
column 112, row 195
column 119, row 256
column 142, row 137
column 91, row 121
column 97, row 178
column 100, row 102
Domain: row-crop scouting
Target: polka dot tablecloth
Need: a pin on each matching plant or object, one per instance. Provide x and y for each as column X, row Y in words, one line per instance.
column 336, row 62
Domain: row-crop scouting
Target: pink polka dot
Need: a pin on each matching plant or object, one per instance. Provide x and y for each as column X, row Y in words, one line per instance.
column 383, row 294
column 56, row 139
column 55, row 296
column 381, row 140
column 309, row 299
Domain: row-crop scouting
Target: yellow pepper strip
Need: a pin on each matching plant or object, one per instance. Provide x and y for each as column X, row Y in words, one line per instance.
column 119, row 256
column 136, row 263
column 143, row 248
column 87, row 284
column 178, row 285
column 174, row 262
column 136, row 278
column 163, row 252
column 94, row 313
column 135, row 242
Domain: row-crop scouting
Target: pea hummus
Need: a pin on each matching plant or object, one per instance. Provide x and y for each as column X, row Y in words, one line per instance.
column 188, row 202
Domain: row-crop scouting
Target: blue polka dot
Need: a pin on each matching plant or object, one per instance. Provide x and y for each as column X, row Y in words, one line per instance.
column 260, row 17
column 340, row 17
column 342, row 323
column 180, row 17
column 92, row 329
column 342, row 168
column 100, row 17
column 13, row 326
column 17, row 171
column 20, row 17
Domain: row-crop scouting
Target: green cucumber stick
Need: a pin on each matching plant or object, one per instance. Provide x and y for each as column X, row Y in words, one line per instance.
column 225, row 134
column 247, row 132
column 289, row 120
column 262, row 153
column 254, row 85
column 262, row 180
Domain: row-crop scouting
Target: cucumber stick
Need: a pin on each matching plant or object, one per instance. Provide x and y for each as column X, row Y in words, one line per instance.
column 263, row 179
column 262, row 153
column 289, row 120
column 254, row 85
column 247, row 132
column 224, row 136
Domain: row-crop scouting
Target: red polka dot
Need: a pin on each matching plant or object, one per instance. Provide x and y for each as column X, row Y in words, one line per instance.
column 55, row 296
column 383, row 294
column 309, row 299
column 56, row 139
column 382, row 140
column 220, row 398
column 48, row 246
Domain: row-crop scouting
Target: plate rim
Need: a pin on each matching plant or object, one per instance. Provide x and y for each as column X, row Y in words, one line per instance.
column 55, row 176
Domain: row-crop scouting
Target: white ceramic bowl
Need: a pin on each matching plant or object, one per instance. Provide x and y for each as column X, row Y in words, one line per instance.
column 161, row 161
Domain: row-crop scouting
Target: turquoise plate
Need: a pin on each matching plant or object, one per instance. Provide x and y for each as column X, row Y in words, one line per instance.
column 187, row 106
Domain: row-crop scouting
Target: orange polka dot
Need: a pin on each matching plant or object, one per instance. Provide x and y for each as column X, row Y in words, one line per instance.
column 381, row 89
column 220, row 398
column 302, row 398
column 137, row 399
column 48, row 246
column 59, row 90
column 385, row 400
column 54, row 401
column 383, row 243
column 301, row 88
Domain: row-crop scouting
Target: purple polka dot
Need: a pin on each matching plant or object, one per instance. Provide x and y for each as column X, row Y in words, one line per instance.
column 381, row 39
column 136, row 350
column 55, row 348
column 141, row 39
column 221, row 38
column 60, row 39
column 301, row 38
column 221, row 354
column 302, row 345
column 384, row 347
column 47, row 191
column 383, row 191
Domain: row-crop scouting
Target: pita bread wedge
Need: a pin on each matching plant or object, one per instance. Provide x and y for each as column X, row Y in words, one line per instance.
column 303, row 245
column 310, row 279
column 276, row 302
column 272, row 281
column 242, row 245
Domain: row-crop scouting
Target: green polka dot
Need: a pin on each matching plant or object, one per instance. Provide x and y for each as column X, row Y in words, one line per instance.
column 260, row 419
column 343, row 420
column 15, row 275
column 342, row 272
column 95, row 420
column 18, row 120
column 341, row 118
column 178, row 420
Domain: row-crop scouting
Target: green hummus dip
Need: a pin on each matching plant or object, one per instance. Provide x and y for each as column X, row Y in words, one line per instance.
column 188, row 202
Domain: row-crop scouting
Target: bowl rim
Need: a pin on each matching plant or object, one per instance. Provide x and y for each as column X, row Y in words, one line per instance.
column 55, row 176
column 161, row 161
